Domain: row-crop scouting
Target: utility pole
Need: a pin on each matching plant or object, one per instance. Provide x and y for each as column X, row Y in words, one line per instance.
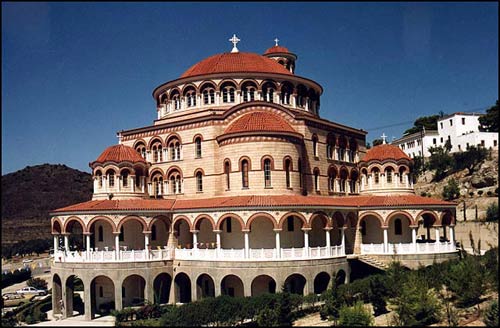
column 422, row 134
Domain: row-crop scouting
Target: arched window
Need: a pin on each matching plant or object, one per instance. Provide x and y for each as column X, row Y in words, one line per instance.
column 267, row 173
column 176, row 100
column 353, row 180
column 157, row 184
column 190, row 98
column 316, row 179
column 376, row 175
column 227, row 172
column 199, row 181
column 125, row 178
column 197, row 146
column 209, row 96
column 100, row 236
column 343, row 180
column 248, row 91
column 342, row 148
column 388, row 174
column 244, row 173
column 286, row 91
column 332, row 176
column 268, row 90
column 330, row 146
column 398, row 227
column 157, row 150
column 288, row 164
column 174, row 147
column 111, row 178
column 174, row 178
column 402, row 171
column 99, row 178
column 228, row 91
column 315, row 145
column 301, row 96
column 141, row 149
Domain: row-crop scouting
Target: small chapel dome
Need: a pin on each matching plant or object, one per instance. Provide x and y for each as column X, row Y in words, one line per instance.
column 119, row 153
column 385, row 152
column 276, row 49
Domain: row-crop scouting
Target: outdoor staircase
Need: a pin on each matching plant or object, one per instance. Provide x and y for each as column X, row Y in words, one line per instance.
column 373, row 262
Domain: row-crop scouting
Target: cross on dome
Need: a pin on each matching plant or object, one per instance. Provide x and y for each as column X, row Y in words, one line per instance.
column 234, row 40
column 276, row 40
column 383, row 136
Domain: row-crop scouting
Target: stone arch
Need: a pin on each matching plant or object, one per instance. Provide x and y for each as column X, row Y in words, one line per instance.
column 263, row 284
column 263, row 158
column 338, row 219
column 205, row 286
column 261, row 214
column 340, row 277
column 446, row 218
column 56, row 226
column 295, row 283
column 161, row 288
column 321, row 282
column 182, row 218
column 187, row 87
column 171, row 136
column 301, row 217
column 371, row 225
column 321, row 215
column 201, row 217
column 157, row 219
column 68, row 302
column 132, row 218
column 172, row 169
column 248, row 160
column 56, row 294
column 399, row 212
column 182, row 288
column 230, row 215
column 184, row 237
column 376, row 215
column 153, row 140
column 139, row 142
column 102, row 295
column 232, row 285
column 104, row 218
column 226, row 81
column 155, row 171
column 133, row 290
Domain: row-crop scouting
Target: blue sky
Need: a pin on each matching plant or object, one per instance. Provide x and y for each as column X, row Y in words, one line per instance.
column 73, row 74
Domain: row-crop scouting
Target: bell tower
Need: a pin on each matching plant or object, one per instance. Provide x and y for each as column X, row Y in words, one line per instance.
column 282, row 55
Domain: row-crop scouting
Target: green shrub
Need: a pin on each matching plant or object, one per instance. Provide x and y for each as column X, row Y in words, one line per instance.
column 451, row 190
column 267, row 318
column 492, row 213
column 38, row 283
column 465, row 279
column 491, row 315
column 423, row 194
column 356, row 315
column 15, row 277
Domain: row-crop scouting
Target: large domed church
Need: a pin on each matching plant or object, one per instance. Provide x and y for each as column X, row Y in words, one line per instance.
column 239, row 187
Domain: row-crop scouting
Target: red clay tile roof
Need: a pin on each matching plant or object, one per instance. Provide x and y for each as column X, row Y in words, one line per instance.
column 276, row 49
column 235, row 62
column 255, row 201
column 259, row 121
column 385, row 151
column 120, row 153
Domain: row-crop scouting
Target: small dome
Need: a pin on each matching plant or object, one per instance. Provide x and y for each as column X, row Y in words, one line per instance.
column 384, row 152
column 240, row 62
column 120, row 153
column 260, row 122
column 276, row 49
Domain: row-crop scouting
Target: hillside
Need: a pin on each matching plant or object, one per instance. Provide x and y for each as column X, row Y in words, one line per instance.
column 28, row 195
column 485, row 179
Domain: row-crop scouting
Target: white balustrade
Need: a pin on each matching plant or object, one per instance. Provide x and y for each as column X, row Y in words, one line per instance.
column 407, row 248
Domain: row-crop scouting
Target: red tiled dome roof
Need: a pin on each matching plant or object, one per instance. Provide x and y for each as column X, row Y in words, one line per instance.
column 235, row 62
column 385, row 151
column 260, row 121
column 120, row 153
column 276, row 49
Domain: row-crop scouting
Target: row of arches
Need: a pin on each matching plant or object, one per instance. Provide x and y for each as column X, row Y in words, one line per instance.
column 106, row 294
column 338, row 147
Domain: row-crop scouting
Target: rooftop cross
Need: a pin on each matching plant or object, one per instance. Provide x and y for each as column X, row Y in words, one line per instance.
column 234, row 40
column 276, row 40
column 383, row 136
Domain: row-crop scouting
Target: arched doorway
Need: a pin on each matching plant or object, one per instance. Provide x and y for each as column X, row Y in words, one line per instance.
column 263, row 284
column 182, row 285
column 72, row 303
column 340, row 277
column 232, row 285
column 133, row 290
column 206, row 235
column 102, row 296
column 291, row 234
column 160, row 232
column 205, row 286
column 261, row 233
column 295, row 284
column 76, row 237
column 161, row 288
column 56, row 294
column 317, row 234
column 232, row 235
column 321, row 282
column 183, row 234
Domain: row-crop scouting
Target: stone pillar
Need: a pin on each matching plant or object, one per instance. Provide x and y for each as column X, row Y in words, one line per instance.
column 342, row 239
column 217, row 290
column 357, row 241
column 436, row 230
column 217, row 239
column 56, row 244
column 86, row 300
column 386, row 239
column 247, row 244
column 117, row 245
column 195, row 239
column 66, row 242
column 452, row 235
column 414, row 238
column 278, row 242
column 328, row 242
column 146, row 244
column 306, row 240
column 118, row 295
column 87, row 245
column 148, row 291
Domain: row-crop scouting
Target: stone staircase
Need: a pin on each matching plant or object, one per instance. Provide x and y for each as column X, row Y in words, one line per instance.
column 373, row 262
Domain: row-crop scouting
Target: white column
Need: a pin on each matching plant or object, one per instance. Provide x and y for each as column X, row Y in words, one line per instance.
column 452, row 235
column 306, row 241
column 217, row 98
column 56, row 244
column 142, row 184
column 119, row 182
column 328, row 243
column 195, row 239
column 95, row 184
column 278, row 243
column 247, row 244
column 66, row 242
column 117, row 245
column 396, row 177
column 217, row 236
column 132, row 182
column 407, row 180
column 386, row 238
column 414, row 238
column 342, row 239
column 436, row 229
column 150, row 189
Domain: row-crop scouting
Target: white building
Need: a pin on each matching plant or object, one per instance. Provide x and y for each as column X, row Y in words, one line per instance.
column 461, row 129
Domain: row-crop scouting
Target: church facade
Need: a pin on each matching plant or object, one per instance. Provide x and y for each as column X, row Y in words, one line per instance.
column 238, row 188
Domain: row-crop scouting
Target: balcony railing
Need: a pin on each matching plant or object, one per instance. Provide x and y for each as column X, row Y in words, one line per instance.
column 213, row 254
column 409, row 248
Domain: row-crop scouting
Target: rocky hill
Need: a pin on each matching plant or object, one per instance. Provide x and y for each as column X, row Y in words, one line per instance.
column 28, row 195
column 479, row 189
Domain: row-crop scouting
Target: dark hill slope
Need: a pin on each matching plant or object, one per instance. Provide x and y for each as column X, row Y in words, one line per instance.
column 28, row 195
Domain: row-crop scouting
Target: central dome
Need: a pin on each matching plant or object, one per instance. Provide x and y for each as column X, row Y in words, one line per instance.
column 240, row 62
column 261, row 122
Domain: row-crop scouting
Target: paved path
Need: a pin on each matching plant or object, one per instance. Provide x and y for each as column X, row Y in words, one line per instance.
column 77, row 321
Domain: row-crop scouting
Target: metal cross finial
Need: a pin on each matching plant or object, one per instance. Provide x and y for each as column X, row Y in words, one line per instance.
column 383, row 136
column 276, row 40
column 234, row 40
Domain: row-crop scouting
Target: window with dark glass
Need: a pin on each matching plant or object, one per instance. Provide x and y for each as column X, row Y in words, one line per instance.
column 197, row 144
column 227, row 172
column 267, row 173
column 398, row 228
column 287, row 173
column 228, row 225
column 244, row 173
column 289, row 223
column 199, row 182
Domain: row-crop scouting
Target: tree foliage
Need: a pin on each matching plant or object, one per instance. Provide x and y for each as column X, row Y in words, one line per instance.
column 466, row 281
column 492, row 213
column 489, row 121
column 355, row 315
column 429, row 122
column 451, row 190
column 441, row 161
column 377, row 142
column 38, row 283
column 470, row 158
column 491, row 315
